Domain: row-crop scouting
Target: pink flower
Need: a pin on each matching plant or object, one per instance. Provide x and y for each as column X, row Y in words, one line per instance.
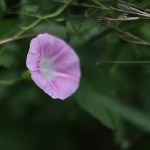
column 54, row 66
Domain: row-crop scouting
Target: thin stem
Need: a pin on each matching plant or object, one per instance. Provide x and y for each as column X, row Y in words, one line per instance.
column 25, row 76
column 33, row 24
column 9, row 82
column 17, row 38
column 129, row 12
column 131, row 5
column 123, row 62
column 102, row 6
column 23, row 29
column 119, row 19
column 58, row 12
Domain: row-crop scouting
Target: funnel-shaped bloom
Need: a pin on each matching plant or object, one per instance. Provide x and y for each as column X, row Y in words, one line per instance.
column 54, row 66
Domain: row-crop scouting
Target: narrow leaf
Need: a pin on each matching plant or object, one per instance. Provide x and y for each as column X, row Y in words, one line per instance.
column 94, row 103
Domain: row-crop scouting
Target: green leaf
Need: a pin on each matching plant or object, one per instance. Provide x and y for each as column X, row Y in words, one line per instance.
column 3, row 5
column 87, row 99
column 106, row 109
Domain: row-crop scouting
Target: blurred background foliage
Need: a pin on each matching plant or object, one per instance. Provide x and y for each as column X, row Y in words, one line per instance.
column 111, row 109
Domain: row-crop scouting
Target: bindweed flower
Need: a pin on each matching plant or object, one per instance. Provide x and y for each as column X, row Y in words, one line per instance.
column 54, row 66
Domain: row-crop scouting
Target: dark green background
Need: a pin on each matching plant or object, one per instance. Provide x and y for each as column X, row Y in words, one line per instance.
column 111, row 108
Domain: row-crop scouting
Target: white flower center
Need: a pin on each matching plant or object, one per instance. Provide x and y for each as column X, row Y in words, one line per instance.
column 46, row 69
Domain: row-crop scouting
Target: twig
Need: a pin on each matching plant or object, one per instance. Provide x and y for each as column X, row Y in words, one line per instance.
column 17, row 38
column 122, row 62
column 119, row 19
column 33, row 24
column 84, row 5
column 129, row 12
column 134, row 40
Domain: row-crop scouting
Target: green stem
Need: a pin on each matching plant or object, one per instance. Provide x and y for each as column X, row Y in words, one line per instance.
column 33, row 24
column 25, row 76
column 58, row 12
column 125, row 62
column 9, row 82
column 24, row 29
column 102, row 6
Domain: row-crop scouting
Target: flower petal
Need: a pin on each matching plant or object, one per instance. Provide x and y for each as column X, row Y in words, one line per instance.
column 35, row 47
column 50, row 45
column 62, row 87
column 39, row 79
column 54, row 66
column 67, row 62
column 32, row 61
